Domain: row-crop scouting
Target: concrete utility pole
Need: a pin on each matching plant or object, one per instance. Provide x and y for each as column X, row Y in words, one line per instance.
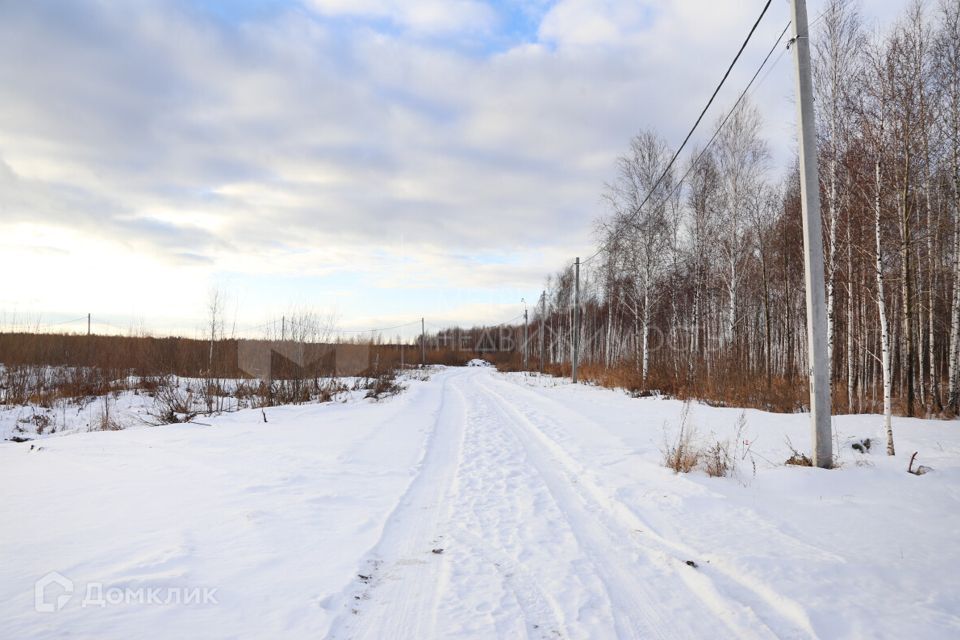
column 88, row 324
column 543, row 319
column 283, row 328
column 423, row 344
column 813, row 245
column 576, row 319
column 525, row 334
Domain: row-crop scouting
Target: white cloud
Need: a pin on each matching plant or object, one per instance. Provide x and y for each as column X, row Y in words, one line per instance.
column 423, row 16
column 300, row 146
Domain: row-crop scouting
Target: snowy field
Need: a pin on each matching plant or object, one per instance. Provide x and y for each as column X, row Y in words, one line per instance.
column 136, row 404
column 478, row 505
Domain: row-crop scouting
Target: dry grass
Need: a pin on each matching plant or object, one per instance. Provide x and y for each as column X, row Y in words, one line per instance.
column 107, row 418
column 683, row 454
column 172, row 403
column 724, row 389
column 796, row 458
column 718, row 459
column 47, row 370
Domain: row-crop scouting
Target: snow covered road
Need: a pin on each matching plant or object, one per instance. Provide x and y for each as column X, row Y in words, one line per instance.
column 480, row 505
column 532, row 546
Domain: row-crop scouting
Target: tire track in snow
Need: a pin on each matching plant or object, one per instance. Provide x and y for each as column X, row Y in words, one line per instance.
column 637, row 599
column 530, row 598
column 585, row 420
column 399, row 595
column 509, row 563
column 775, row 614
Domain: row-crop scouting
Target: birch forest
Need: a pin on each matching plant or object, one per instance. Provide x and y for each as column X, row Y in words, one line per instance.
column 697, row 286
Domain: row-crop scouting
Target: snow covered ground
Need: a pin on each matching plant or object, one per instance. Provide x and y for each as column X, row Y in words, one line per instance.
column 478, row 505
column 136, row 405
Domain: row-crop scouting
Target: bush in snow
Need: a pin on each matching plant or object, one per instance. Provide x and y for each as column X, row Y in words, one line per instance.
column 717, row 460
column 107, row 419
column 383, row 386
column 172, row 403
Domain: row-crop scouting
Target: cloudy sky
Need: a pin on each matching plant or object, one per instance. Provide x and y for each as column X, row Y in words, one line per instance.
column 383, row 159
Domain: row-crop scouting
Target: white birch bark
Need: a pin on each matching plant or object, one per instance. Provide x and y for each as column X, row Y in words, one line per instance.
column 884, row 327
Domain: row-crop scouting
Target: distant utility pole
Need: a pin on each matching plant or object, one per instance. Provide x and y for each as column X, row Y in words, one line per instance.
column 813, row 245
column 423, row 343
column 576, row 318
column 525, row 334
column 283, row 328
column 88, row 324
column 543, row 318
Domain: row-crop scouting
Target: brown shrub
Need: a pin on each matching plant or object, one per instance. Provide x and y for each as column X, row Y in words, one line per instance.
column 107, row 419
column 717, row 461
column 383, row 386
column 796, row 458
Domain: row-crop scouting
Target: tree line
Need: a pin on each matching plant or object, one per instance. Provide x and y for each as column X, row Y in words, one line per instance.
column 697, row 285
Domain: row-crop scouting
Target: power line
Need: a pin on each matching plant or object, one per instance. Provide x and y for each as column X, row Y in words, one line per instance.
column 240, row 328
column 713, row 138
column 733, row 109
column 504, row 323
column 819, row 18
column 38, row 326
column 273, row 323
column 773, row 65
column 592, row 256
column 62, row 322
column 703, row 112
column 730, row 113
column 374, row 330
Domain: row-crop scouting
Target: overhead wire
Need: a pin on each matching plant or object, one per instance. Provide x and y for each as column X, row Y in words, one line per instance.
column 375, row 330
column 743, row 94
column 505, row 322
column 726, row 118
column 37, row 326
column 649, row 195
column 699, row 119
column 703, row 112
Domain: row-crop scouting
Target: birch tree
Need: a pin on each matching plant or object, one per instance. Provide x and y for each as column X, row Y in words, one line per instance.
column 948, row 57
column 837, row 56
column 638, row 198
column 741, row 156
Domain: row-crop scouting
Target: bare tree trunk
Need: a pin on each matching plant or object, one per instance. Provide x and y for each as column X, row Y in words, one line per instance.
column 951, row 58
column 637, row 348
column 832, row 262
column 732, row 304
column 645, row 337
column 921, row 332
column 768, row 330
column 936, row 404
column 884, row 328
column 954, row 355
column 850, row 316
column 695, row 333
column 906, row 291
